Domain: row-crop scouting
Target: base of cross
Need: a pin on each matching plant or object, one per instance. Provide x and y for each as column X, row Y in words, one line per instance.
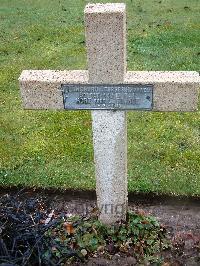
column 105, row 27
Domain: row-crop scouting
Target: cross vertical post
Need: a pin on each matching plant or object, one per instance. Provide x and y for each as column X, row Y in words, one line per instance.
column 106, row 51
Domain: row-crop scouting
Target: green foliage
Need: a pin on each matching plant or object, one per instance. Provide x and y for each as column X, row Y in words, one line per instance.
column 54, row 149
column 140, row 236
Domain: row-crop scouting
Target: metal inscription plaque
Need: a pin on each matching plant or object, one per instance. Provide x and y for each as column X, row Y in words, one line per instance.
column 107, row 97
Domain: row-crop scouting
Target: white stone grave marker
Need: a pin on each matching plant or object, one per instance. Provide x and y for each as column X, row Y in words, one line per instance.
column 105, row 26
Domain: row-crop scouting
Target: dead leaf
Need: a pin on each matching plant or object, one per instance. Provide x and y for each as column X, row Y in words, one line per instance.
column 69, row 228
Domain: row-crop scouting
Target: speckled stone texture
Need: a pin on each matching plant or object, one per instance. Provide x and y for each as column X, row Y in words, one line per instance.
column 106, row 42
column 41, row 89
column 106, row 53
column 173, row 90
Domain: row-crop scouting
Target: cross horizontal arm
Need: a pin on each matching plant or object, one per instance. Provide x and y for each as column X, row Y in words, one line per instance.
column 172, row 90
column 40, row 89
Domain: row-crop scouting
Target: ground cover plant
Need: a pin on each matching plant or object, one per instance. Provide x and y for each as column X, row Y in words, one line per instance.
column 31, row 234
column 44, row 229
column 54, row 149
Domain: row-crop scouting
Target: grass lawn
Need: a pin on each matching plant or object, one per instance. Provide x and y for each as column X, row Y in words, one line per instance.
column 54, row 149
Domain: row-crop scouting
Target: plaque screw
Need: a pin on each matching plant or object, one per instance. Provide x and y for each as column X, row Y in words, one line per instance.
column 148, row 98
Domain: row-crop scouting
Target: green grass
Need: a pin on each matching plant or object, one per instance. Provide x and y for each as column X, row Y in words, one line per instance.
column 54, row 149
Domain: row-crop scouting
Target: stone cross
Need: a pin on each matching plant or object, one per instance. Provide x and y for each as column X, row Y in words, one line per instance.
column 105, row 26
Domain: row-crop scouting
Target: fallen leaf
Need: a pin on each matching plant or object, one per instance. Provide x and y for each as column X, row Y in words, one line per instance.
column 69, row 228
